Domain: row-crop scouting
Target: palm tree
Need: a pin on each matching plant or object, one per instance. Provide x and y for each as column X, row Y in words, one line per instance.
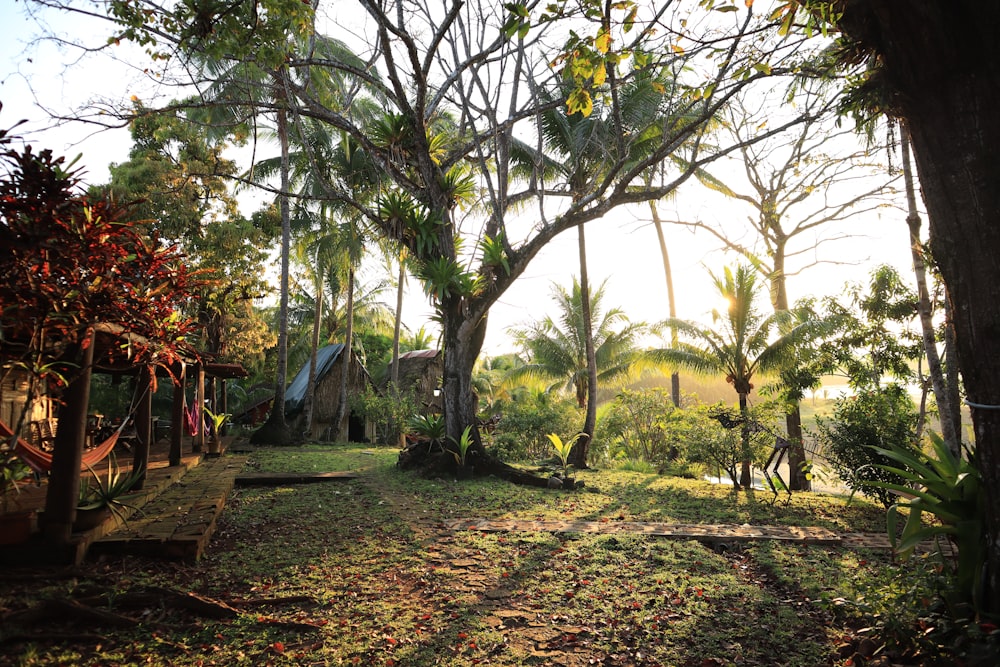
column 234, row 98
column 556, row 350
column 741, row 344
column 576, row 152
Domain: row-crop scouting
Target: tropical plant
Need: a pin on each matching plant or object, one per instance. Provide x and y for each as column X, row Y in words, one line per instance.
column 218, row 420
column 643, row 425
column 741, row 345
column 527, row 415
column 429, row 428
column 563, row 449
column 949, row 488
column 873, row 418
column 463, row 444
column 12, row 472
column 109, row 492
column 556, row 351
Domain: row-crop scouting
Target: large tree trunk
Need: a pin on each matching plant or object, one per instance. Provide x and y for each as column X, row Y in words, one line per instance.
column 940, row 67
column 578, row 454
column 948, row 433
column 462, row 339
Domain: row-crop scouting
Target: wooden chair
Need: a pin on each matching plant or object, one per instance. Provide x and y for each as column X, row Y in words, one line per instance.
column 43, row 433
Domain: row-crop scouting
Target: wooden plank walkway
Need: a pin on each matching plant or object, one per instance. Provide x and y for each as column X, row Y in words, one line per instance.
column 282, row 478
column 178, row 523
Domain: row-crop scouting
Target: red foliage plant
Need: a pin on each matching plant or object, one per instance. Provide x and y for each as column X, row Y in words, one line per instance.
column 68, row 263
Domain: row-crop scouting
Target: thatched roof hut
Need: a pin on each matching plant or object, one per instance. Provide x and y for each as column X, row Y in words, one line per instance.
column 421, row 371
column 329, row 367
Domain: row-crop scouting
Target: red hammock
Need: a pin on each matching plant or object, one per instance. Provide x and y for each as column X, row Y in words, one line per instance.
column 41, row 462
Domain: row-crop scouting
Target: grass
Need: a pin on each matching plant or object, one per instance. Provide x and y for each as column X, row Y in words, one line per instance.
column 360, row 573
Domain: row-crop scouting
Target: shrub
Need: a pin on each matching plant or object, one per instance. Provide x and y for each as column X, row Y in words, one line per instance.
column 708, row 442
column 521, row 432
column 642, row 426
column 884, row 418
column 389, row 412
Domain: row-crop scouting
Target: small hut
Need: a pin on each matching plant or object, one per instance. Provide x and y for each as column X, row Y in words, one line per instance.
column 421, row 371
column 329, row 368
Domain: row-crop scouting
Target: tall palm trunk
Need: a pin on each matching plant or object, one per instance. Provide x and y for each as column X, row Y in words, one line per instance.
column 948, row 433
column 578, row 455
column 341, row 418
column 275, row 430
column 746, row 478
column 397, row 324
column 675, row 377
column 308, row 408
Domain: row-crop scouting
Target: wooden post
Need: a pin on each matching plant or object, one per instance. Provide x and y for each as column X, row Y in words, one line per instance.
column 177, row 417
column 198, row 443
column 224, row 397
column 67, row 456
column 143, row 423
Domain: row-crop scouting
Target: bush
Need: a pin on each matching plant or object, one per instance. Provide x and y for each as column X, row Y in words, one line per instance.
column 390, row 412
column 524, row 421
column 883, row 417
column 641, row 426
column 708, row 442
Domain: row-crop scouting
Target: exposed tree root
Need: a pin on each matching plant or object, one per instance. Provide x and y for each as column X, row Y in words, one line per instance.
column 432, row 462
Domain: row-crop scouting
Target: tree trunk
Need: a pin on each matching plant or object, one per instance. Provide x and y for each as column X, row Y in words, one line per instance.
column 746, row 477
column 309, row 403
column 397, row 324
column 275, row 430
column 578, row 454
column 797, row 479
column 948, row 434
column 67, row 455
column 939, row 62
column 675, row 377
column 951, row 369
column 341, row 420
column 462, row 339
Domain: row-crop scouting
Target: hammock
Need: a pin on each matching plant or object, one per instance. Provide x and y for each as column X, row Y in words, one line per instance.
column 41, row 462
column 192, row 419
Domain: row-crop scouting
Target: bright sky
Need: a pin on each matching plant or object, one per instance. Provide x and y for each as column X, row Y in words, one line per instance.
column 622, row 248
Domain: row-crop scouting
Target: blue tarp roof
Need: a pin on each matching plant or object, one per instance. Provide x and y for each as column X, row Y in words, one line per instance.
column 295, row 395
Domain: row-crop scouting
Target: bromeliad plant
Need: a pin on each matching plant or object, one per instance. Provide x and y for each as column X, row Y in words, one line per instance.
column 950, row 488
column 430, row 428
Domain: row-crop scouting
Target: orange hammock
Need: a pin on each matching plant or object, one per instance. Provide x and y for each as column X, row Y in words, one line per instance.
column 41, row 462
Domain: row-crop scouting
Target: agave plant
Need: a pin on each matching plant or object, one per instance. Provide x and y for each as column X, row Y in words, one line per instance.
column 109, row 492
column 950, row 488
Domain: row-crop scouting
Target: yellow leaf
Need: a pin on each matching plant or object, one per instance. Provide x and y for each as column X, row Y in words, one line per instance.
column 603, row 42
column 600, row 74
column 676, row 48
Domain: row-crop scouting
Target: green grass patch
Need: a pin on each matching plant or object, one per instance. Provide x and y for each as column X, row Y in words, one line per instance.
column 340, row 574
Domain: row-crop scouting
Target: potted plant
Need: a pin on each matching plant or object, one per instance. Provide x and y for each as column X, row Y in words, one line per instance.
column 102, row 497
column 563, row 450
column 218, row 423
column 15, row 524
column 464, row 470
